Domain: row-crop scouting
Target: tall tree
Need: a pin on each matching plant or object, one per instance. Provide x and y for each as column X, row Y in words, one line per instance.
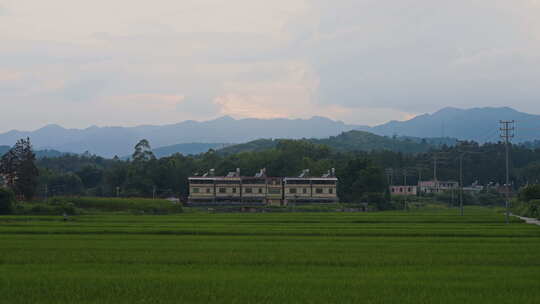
column 7, row 198
column 143, row 152
column 18, row 165
column 138, row 180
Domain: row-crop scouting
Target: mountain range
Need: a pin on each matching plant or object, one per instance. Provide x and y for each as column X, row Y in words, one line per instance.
column 111, row 141
column 478, row 124
column 191, row 137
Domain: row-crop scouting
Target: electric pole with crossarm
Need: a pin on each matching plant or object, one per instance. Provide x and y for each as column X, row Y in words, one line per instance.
column 507, row 132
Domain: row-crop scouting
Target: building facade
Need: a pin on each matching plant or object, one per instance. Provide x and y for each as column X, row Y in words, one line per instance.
column 235, row 189
column 403, row 190
column 436, row 186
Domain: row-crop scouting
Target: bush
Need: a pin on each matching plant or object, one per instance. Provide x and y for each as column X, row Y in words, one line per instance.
column 378, row 200
column 448, row 198
column 43, row 209
column 490, row 198
column 47, row 209
column 139, row 205
column 528, row 209
column 531, row 192
column 7, row 201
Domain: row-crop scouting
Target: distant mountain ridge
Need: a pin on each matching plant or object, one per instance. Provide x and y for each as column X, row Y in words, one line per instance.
column 111, row 141
column 478, row 124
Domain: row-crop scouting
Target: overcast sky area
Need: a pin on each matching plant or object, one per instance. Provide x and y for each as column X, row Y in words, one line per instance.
column 131, row 62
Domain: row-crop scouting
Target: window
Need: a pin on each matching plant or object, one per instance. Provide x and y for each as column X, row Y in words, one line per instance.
column 195, row 190
column 304, row 190
column 331, row 191
column 222, row 190
column 208, row 190
column 292, row 190
column 274, row 191
column 260, row 190
column 249, row 190
column 233, row 190
column 319, row 190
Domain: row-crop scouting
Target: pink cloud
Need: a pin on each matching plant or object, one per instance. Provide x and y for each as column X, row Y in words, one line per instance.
column 10, row 76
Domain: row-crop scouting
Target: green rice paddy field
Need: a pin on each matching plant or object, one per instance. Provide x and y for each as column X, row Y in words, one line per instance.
column 430, row 256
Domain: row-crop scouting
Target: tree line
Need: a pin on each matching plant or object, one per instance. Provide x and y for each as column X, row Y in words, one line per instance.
column 364, row 176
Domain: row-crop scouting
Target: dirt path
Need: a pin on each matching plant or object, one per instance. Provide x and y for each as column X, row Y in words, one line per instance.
column 528, row 220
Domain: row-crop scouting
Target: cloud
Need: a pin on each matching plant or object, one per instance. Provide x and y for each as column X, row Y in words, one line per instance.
column 10, row 76
column 283, row 89
column 146, row 102
column 422, row 55
column 84, row 90
column 3, row 11
column 361, row 61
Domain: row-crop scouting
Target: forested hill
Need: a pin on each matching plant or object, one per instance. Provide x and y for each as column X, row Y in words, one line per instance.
column 39, row 153
column 365, row 141
column 4, row 150
column 352, row 141
column 186, row 149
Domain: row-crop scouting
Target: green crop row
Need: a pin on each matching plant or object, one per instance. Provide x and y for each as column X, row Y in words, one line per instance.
column 421, row 256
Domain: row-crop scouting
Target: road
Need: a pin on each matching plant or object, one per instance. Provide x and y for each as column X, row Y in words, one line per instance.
column 528, row 220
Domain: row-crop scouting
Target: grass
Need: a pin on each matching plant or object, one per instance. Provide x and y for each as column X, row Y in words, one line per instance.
column 422, row 256
column 82, row 205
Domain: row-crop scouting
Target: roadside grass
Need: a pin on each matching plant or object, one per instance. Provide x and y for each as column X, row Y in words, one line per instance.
column 422, row 256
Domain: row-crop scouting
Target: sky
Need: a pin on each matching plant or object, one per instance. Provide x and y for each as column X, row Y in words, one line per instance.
column 132, row 62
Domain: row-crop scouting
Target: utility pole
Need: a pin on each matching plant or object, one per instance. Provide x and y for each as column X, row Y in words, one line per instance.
column 117, row 191
column 463, row 153
column 405, row 172
column 461, row 183
column 154, row 193
column 438, row 158
column 435, row 167
column 389, row 175
column 507, row 132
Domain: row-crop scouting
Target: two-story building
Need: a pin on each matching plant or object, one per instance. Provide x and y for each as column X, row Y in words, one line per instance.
column 403, row 190
column 260, row 189
column 436, row 186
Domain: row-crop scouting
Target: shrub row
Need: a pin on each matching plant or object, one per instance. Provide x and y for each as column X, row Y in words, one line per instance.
column 78, row 205
column 528, row 209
